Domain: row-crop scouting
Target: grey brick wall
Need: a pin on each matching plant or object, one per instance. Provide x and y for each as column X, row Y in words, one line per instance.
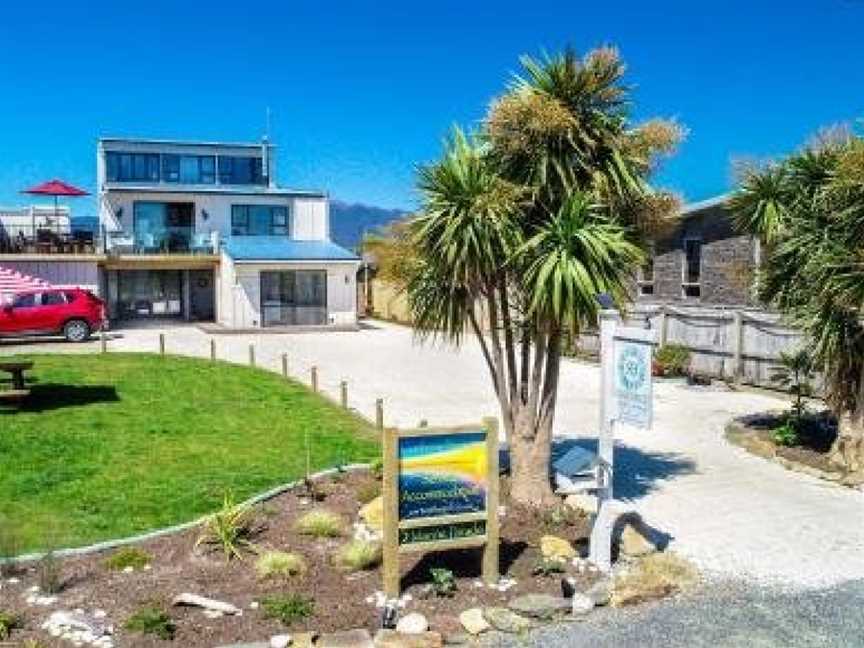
column 728, row 262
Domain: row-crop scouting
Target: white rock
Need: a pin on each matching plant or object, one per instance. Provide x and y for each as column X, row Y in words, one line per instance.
column 254, row 605
column 13, row 581
column 128, row 570
column 280, row 641
column 206, row 603
column 99, row 614
column 414, row 623
column 473, row 621
column 582, row 604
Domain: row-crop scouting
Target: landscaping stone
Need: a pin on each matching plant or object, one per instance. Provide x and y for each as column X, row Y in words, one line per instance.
column 414, row 623
column 79, row 628
column 600, row 592
column 634, row 542
column 208, row 604
column 280, row 641
column 373, row 514
column 458, row 639
column 539, row 606
column 473, row 621
column 304, row 640
column 506, row 620
column 555, row 548
column 254, row 644
column 395, row 639
column 581, row 604
column 358, row 638
column 582, row 502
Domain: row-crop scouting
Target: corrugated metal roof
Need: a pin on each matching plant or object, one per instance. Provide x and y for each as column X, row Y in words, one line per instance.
column 279, row 248
column 705, row 204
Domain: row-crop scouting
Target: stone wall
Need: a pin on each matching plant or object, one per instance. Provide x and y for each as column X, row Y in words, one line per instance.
column 728, row 262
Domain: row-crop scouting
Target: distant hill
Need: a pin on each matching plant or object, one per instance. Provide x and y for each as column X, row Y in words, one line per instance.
column 349, row 221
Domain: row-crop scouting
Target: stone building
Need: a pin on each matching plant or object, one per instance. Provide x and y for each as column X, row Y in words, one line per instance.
column 702, row 262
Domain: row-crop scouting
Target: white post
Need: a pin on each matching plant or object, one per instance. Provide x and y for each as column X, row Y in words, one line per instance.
column 601, row 546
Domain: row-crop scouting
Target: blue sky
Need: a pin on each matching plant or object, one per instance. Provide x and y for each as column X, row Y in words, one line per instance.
column 362, row 91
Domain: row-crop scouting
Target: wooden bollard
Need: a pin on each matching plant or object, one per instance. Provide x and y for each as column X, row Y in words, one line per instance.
column 213, row 349
column 379, row 414
column 251, row 355
column 343, row 392
column 103, row 341
column 284, row 365
column 162, row 344
column 314, row 379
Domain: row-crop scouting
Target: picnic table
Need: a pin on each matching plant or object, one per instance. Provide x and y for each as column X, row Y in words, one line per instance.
column 16, row 368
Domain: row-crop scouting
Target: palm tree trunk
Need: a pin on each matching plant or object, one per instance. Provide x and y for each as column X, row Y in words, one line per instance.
column 847, row 452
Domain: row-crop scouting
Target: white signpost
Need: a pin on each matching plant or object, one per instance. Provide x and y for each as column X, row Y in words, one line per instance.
column 626, row 396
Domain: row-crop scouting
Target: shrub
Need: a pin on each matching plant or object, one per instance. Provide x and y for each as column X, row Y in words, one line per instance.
column 672, row 360
column 8, row 622
column 48, row 574
column 127, row 557
column 786, row 434
column 443, row 581
column 279, row 564
column 288, row 608
column 655, row 576
column 320, row 523
column 548, row 567
column 152, row 620
column 368, row 492
column 376, row 467
column 229, row 528
column 358, row 555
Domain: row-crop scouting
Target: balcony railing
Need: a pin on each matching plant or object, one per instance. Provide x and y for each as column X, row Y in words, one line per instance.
column 168, row 241
column 47, row 239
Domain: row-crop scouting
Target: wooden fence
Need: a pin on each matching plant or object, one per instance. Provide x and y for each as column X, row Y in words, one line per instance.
column 728, row 343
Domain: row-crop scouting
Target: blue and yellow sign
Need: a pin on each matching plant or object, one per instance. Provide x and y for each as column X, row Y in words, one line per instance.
column 442, row 475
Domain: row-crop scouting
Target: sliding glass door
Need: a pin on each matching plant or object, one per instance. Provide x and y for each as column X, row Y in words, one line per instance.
column 163, row 227
column 294, row 298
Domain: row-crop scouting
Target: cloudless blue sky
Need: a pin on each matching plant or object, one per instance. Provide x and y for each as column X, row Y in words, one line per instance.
column 363, row 91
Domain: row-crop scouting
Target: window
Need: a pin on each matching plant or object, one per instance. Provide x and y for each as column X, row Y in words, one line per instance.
column 259, row 220
column 132, row 167
column 189, row 169
column 26, row 300
column 294, row 297
column 645, row 275
column 692, row 268
column 52, row 298
column 240, row 170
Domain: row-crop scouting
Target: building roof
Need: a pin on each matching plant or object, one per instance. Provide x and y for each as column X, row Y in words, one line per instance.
column 234, row 190
column 280, row 248
column 177, row 142
column 702, row 205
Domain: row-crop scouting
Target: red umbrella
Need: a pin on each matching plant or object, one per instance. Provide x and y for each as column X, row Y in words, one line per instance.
column 54, row 188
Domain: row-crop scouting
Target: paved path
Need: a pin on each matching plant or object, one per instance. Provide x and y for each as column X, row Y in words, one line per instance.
column 741, row 617
column 732, row 513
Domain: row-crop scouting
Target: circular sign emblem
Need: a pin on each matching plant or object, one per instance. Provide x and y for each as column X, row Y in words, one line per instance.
column 631, row 369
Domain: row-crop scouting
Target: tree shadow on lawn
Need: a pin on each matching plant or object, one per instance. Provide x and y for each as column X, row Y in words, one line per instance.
column 636, row 471
column 54, row 396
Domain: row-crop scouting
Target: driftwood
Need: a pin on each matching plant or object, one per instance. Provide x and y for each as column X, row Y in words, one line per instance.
column 206, row 603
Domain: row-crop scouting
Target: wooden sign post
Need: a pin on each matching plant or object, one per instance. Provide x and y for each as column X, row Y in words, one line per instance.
column 440, row 491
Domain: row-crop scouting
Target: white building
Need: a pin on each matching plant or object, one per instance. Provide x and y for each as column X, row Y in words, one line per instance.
column 201, row 231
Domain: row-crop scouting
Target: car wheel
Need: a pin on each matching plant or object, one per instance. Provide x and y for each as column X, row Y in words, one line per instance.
column 76, row 330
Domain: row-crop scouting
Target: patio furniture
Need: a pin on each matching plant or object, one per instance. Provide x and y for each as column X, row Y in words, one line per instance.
column 19, row 389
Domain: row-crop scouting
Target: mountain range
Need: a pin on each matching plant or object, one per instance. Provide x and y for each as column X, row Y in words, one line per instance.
column 348, row 221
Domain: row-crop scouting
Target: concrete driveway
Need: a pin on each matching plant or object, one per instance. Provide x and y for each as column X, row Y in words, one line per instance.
column 735, row 515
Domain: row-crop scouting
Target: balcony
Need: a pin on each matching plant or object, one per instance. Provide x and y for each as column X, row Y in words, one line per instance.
column 165, row 241
column 47, row 239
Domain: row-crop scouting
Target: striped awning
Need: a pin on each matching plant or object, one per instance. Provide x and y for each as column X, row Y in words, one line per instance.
column 12, row 281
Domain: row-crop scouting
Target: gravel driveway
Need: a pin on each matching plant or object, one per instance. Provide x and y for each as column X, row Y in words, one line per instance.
column 734, row 514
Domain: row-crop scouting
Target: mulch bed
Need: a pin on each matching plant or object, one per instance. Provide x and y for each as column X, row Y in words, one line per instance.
column 340, row 598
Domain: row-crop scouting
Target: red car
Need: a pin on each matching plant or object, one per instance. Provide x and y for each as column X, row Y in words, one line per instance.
column 71, row 312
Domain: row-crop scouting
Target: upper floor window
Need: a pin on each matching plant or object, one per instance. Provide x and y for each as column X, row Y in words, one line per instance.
column 692, row 268
column 645, row 274
column 189, row 169
column 240, row 170
column 259, row 220
column 132, row 167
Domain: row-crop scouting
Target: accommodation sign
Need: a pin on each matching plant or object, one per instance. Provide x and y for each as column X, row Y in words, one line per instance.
column 632, row 386
column 440, row 492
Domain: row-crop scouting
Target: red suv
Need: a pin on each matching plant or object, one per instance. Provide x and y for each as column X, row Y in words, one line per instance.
column 72, row 312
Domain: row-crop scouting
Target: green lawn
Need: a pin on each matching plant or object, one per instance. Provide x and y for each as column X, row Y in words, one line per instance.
column 110, row 445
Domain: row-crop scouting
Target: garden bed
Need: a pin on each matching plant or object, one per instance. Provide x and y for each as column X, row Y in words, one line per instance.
column 340, row 599
column 756, row 434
